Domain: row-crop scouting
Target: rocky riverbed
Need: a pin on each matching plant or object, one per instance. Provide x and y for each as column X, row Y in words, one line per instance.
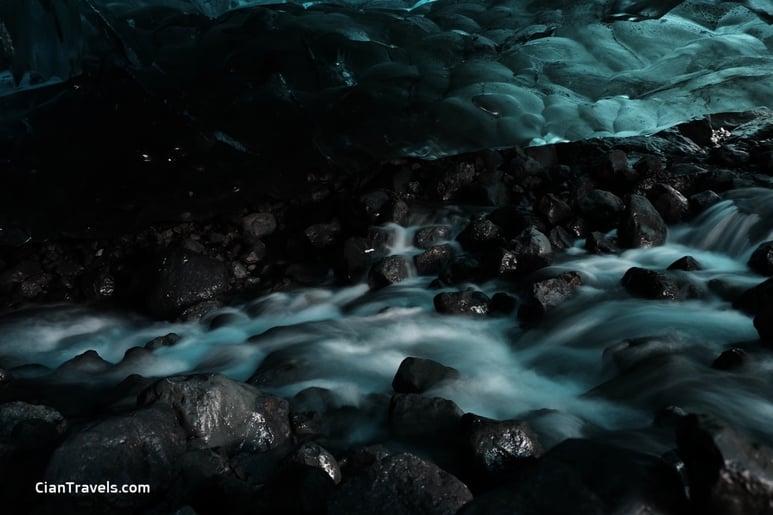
column 573, row 328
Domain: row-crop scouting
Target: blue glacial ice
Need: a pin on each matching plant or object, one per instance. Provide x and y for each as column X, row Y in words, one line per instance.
column 395, row 78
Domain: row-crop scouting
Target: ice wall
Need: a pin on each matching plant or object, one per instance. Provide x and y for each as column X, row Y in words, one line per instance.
column 409, row 78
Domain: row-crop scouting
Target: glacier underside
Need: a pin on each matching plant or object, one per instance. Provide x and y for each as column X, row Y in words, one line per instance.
column 390, row 79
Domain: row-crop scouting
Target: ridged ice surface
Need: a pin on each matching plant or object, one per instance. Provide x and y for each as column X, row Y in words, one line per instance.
column 413, row 78
column 352, row 340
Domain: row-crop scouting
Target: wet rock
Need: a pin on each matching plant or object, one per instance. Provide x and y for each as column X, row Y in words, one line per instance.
column 761, row 260
column 513, row 220
column 600, row 243
column 89, row 362
column 257, row 225
column 686, row 263
column 218, row 412
column 18, row 273
column 5, row 377
column 199, row 311
column 533, row 250
column 427, row 237
column 731, row 359
column 139, row 448
column 434, row 260
column 462, row 303
column 481, row 234
column 560, row 238
column 499, row 262
column 728, row 473
column 413, row 415
column 182, row 279
column 658, row 285
column 33, row 286
column 417, row 375
column 498, row 446
column 601, row 209
column 671, row 204
column 641, row 226
column 547, row 294
column 400, row 484
column 700, row 202
column 388, row 271
column 585, row 476
column 555, row 210
column 313, row 455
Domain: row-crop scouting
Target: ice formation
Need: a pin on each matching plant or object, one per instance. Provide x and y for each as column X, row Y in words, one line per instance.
column 395, row 78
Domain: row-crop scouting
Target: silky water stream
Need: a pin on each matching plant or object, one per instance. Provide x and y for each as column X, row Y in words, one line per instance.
column 603, row 359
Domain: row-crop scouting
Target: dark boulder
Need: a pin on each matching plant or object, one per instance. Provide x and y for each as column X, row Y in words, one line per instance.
column 481, row 234
column 641, row 225
column 728, row 473
column 400, row 484
column 495, row 446
column 181, row 279
column 600, row 243
column 686, row 263
column 546, row 294
column 588, row 477
column 761, row 260
column 601, row 209
column 388, row 271
column 462, row 303
column 659, row 285
column 700, row 202
column 555, row 210
column 294, row 489
column 533, row 250
column 417, row 375
column 427, row 237
column 560, row 238
column 138, row 448
column 16, row 416
column 313, row 455
column 218, row 412
column 670, row 203
column 499, row 262
column 434, row 260
column 415, row 416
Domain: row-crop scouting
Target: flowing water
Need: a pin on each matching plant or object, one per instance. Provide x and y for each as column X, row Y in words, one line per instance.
column 602, row 358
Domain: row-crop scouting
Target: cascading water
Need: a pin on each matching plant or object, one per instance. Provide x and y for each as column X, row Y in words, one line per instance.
column 603, row 357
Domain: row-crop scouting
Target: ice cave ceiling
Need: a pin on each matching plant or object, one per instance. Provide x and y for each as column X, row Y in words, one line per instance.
column 391, row 78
